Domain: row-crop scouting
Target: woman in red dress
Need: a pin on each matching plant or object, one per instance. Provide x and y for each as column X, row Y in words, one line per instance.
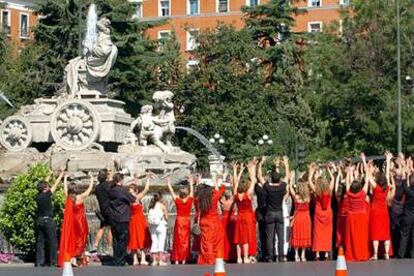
column 74, row 231
column 211, row 238
column 356, row 234
column 322, row 220
column 301, row 236
column 379, row 225
column 245, row 236
column 139, row 234
column 228, row 221
column 182, row 227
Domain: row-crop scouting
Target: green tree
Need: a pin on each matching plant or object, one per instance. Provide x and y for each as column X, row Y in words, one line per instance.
column 18, row 211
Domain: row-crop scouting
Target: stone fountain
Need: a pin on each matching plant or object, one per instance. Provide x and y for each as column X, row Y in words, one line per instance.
column 86, row 130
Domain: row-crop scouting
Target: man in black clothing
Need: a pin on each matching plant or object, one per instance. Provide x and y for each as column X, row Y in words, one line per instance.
column 260, row 215
column 102, row 196
column 120, row 201
column 274, row 221
column 407, row 223
column 45, row 226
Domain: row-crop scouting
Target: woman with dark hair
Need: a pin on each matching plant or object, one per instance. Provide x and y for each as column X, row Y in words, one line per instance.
column 157, row 220
column 139, row 235
column 182, row 226
column 322, row 220
column 228, row 221
column 245, row 236
column 342, row 200
column 211, row 238
column 356, row 234
column 382, row 194
column 74, row 234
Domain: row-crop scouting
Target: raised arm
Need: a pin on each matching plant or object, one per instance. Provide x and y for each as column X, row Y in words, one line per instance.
column 57, row 182
column 147, row 185
column 170, row 188
column 368, row 172
column 65, row 184
column 260, row 177
column 331, row 178
column 238, row 176
column 311, row 172
column 251, row 167
column 287, row 169
column 88, row 191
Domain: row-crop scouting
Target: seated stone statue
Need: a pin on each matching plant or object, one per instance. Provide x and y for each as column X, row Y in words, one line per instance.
column 88, row 74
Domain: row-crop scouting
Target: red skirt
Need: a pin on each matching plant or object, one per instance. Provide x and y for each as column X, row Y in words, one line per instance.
column 379, row 225
column 229, row 227
column 322, row 231
column 340, row 230
column 139, row 234
column 356, row 237
column 181, row 241
column 245, row 229
column 301, row 236
column 211, row 241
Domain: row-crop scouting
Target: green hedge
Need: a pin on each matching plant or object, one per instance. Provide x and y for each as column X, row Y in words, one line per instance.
column 18, row 211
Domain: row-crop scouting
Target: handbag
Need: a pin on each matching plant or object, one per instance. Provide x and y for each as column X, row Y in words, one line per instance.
column 196, row 229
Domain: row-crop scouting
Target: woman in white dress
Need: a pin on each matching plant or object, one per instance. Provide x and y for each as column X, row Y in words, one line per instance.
column 157, row 220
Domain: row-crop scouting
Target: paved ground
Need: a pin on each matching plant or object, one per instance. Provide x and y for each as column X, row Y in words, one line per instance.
column 379, row 268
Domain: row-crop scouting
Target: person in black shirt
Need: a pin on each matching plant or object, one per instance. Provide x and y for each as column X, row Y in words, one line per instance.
column 102, row 196
column 120, row 201
column 276, row 191
column 45, row 226
column 407, row 224
column 261, row 213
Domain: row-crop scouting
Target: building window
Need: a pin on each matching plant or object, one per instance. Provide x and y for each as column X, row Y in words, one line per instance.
column 345, row 2
column 164, row 8
column 193, row 6
column 138, row 11
column 222, row 6
column 5, row 21
column 252, row 3
column 192, row 39
column 192, row 65
column 164, row 34
column 314, row 27
column 24, row 25
column 314, row 3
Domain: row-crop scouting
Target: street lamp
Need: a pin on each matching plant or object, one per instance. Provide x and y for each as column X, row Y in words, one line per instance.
column 265, row 140
column 217, row 138
column 399, row 127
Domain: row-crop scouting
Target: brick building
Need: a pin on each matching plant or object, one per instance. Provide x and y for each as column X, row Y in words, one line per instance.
column 16, row 20
column 185, row 17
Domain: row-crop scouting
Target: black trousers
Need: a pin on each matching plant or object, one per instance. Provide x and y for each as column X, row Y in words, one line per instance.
column 260, row 217
column 46, row 240
column 407, row 232
column 120, row 241
column 274, row 224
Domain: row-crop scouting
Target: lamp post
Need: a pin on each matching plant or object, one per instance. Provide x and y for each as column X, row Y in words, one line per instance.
column 216, row 162
column 265, row 141
column 399, row 127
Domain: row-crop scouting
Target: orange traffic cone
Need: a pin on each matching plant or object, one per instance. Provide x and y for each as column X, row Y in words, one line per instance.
column 341, row 269
column 219, row 268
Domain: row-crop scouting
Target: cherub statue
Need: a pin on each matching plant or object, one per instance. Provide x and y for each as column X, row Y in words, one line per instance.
column 166, row 119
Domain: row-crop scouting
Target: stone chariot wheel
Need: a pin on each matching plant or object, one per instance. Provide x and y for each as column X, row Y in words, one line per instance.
column 75, row 125
column 15, row 133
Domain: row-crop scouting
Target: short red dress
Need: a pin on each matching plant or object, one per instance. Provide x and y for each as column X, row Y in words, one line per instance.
column 301, row 235
column 228, row 221
column 182, row 228
column 341, row 221
column 74, row 232
column 211, row 238
column 379, row 227
column 245, row 223
column 356, row 235
column 139, row 234
column 322, row 223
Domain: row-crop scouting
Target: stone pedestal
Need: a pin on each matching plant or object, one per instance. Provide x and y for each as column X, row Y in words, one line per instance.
column 217, row 165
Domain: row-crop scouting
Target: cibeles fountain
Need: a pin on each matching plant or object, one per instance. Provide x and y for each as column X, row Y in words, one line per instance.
column 87, row 130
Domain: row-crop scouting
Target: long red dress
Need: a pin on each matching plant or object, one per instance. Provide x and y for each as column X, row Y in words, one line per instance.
column 245, row 223
column 182, row 228
column 322, row 223
column 379, row 227
column 211, row 238
column 74, row 232
column 139, row 234
column 228, row 221
column 356, row 235
column 341, row 221
column 301, row 236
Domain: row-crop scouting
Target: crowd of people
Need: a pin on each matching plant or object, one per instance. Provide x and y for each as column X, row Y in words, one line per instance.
column 366, row 207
